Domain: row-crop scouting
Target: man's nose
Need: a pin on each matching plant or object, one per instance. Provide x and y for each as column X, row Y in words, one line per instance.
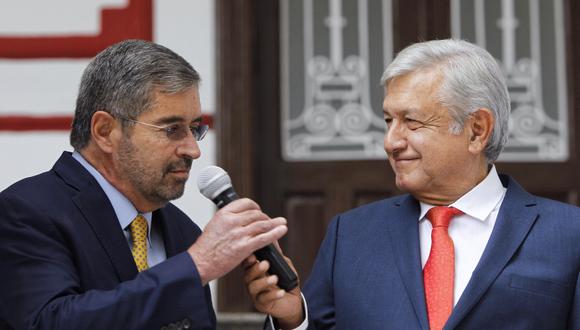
column 395, row 138
column 189, row 148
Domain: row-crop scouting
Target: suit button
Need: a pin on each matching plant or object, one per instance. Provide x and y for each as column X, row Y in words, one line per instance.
column 186, row 324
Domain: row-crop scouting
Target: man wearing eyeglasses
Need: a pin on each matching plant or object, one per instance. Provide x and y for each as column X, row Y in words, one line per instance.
column 94, row 243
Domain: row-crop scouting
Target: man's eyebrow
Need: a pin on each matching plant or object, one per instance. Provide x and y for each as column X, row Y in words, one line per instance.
column 175, row 119
column 169, row 120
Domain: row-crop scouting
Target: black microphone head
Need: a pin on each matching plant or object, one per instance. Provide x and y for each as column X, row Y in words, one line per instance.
column 212, row 181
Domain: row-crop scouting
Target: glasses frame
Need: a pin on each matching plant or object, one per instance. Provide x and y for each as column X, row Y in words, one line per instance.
column 198, row 132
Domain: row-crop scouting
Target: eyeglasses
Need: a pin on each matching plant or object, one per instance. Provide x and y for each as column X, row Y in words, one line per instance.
column 176, row 132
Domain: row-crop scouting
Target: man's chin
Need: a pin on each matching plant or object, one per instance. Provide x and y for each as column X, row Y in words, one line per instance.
column 405, row 183
column 178, row 192
column 175, row 191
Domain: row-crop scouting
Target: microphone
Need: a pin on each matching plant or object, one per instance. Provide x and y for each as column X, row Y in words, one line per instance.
column 215, row 184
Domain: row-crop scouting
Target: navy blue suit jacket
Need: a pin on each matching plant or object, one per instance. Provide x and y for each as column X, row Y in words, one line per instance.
column 368, row 273
column 65, row 262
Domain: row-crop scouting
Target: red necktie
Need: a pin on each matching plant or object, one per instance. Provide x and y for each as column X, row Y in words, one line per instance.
column 439, row 271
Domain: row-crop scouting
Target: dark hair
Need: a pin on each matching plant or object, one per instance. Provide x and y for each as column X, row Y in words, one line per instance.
column 121, row 80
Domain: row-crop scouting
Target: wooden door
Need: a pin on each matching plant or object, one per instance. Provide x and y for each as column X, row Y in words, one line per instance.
column 310, row 193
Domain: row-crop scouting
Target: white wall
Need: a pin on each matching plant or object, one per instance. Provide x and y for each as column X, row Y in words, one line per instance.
column 49, row 86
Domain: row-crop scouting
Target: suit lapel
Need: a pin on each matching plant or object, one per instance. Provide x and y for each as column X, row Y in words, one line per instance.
column 515, row 219
column 172, row 236
column 404, row 234
column 98, row 212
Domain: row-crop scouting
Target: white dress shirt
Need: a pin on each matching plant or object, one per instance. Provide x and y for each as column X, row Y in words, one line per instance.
column 469, row 231
column 126, row 212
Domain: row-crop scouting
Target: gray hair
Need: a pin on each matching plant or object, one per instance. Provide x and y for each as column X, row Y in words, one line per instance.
column 472, row 79
column 121, row 80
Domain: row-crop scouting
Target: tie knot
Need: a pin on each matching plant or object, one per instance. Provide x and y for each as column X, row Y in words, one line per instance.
column 440, row 216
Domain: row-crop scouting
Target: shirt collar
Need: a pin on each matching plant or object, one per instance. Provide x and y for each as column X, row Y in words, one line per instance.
column 124, row 209
column 480, row 201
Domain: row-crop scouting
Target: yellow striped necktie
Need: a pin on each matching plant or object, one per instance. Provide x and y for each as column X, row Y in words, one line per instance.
column 138, row 229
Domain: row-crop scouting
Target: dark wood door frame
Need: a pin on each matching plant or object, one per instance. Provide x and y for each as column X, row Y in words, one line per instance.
column 235, row 125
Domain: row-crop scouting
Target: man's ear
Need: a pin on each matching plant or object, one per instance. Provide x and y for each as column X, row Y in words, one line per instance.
column 104, row 129
column 481, row 126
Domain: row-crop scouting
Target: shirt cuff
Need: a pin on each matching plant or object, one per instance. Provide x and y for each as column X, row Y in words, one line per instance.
column 303, row 325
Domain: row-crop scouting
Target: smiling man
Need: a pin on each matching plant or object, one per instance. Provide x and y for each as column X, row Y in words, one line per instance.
column 466, row 248
column 94, row 243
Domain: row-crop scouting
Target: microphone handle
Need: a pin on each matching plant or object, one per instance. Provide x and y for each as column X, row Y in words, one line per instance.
column 287, row 279
column 225, row 197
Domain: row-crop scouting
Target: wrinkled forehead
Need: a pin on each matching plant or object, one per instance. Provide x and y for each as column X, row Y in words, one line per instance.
column 413, row 88
column 184, row 104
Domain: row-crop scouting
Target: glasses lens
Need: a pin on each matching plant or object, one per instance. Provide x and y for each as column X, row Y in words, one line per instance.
column 179, row 132
column 176, row 132
column 199, row 132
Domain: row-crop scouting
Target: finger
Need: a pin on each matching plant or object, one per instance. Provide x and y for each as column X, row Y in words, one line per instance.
column 263, row 239
column 250, row 216
column 290, row 263
column 263, row 284
column 242, row 218
column 240, row 205
column 249, row 262
column 277, row 246
column 262, row 226
column 268, row 297
column 256, row 271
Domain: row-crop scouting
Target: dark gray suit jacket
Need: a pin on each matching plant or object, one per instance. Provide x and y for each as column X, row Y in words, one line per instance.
column 65, row 263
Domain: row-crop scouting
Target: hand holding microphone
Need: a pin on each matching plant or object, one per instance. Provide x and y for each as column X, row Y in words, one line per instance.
column 215, row 184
